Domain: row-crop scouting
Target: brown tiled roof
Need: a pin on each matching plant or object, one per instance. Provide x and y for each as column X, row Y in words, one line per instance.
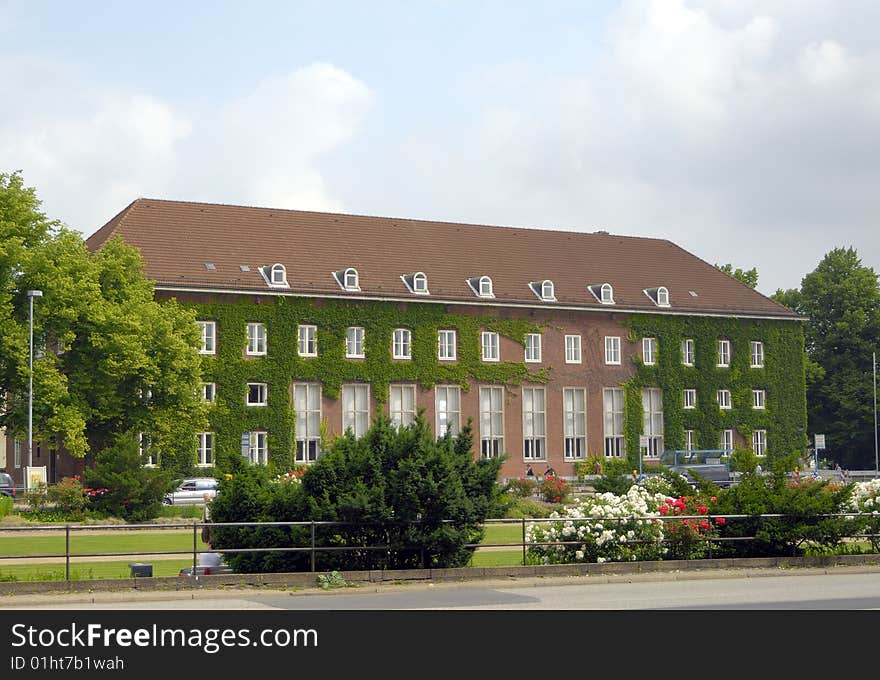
column 177, row 239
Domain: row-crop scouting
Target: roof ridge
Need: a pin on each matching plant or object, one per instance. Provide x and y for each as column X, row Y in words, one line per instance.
column 102, row 234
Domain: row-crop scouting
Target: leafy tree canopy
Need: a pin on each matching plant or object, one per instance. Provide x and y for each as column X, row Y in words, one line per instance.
column 746, row 276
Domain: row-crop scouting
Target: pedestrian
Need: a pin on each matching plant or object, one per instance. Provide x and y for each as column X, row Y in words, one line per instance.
column 549, row 472
column 529, row 472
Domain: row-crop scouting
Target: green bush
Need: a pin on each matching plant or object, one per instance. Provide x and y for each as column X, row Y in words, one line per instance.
column 522, row 487
column 67, row 495
column 517, row 508
column 616, row 477
column 555, row 489
column 5, row 506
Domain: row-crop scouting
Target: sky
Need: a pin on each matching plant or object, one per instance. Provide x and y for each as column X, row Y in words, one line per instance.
column 745, row 131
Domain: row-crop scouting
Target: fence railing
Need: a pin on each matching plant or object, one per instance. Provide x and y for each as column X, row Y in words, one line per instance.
column 314, row 547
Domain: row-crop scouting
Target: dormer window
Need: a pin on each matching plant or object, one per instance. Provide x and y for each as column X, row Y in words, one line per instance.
column 482, row 286
column 278, row 276
column 416, row 283
column 544, row 290
column 603, row 293
column 659, row 296
column 347, row 279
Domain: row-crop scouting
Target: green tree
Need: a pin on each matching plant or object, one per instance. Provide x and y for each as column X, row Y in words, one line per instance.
column 108, row 357
column 841, row 299
column 746, row 276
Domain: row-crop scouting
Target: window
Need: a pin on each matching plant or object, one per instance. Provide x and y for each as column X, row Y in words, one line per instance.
column 649, row 351
column 724, row 353
column 687, row 352
column 446, row 345
column 612, row 350
column 308, row 343
column 402, row 405
column 575, row 422
column 534, row 423
column 612, row 406
column 420, row 283
column 533, row 347
column 16, row 452
column 724, row 399
column 256, row 345
column 489, row 342
column 662, row 297
column 491, row 422
column 689, row 440
column 146, row 450
column 572, row 349
column 401, row 344
column 354, row 343
column 355, row 408
column 206, row 448
column 485, row 287
column 727, row 440
column 652, row 409
column 447, row 406
column 759, row 399
column 209, row 391
column 307, row 406
column 209, row 337
column 690, row 398
column 759, row 442
column 548, row 290
column 350, row 279
column 757, row 354
column 257, row 394
column 278, row 275
column 257, row 449
column 606, row 296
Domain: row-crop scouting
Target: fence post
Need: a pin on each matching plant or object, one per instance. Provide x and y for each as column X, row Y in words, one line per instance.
column 313, row 546
column 524, row 540
column 195, row 551
column 67, row 552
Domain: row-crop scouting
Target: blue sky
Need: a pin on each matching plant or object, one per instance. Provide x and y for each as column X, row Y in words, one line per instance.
column 746, row 131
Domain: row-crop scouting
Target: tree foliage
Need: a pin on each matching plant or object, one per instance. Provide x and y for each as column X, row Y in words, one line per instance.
column 747, row 276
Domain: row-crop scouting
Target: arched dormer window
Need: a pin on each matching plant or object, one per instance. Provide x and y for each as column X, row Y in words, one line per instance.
column 350, row 280
column 420, row 283
column 278, row 275
column 548, row 291
column 662, row 297
column 606, row 296
column 484, row 287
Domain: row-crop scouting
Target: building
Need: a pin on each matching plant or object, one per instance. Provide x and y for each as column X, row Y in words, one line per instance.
column 560, row 346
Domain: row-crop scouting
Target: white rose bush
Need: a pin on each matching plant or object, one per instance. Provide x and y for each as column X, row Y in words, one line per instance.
column 866, row 500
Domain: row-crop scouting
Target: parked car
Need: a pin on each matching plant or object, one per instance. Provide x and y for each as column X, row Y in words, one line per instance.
column 712, row 465
column 192, row 491
column 7, row 485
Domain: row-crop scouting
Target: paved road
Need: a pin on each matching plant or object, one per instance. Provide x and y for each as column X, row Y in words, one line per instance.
column 813, row 589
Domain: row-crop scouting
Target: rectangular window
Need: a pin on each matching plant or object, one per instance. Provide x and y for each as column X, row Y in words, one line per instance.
column 491, row 421
column 612, row 350
column 687, row 352
column 307, row 407
column 447, row 406
column 489, row 342
column 145, row 448
column 689, row 440
column 724, row 399
column 652, row 423
column 209, row 391
column 574, row 401
column 257, row 394
column 356, row 408
column 354, row 343
column 402, row 405
column 690, row 399
column 256, row 345
column 612, row 406
column 727, row 440
column 649, row 351
column 206, row 449
column 572, row 349
column 723, row 353
column 209, row 337
column 759, row 399
column 308, row 341
column 401, row 344
column 16, row 452
column 759, row 442
column 258, row 448
column 534, row 423
column 533, row 347
column 446, row 345
column 757, row 355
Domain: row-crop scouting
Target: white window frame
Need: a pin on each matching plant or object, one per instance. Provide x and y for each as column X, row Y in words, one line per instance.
column 401, row 344
column 690, row 398
column 757, row 354
column 725, row 400
column 308, row 437
column 573, row 354
column 17, row 446
column 205, row 448
column 759, row 399
column 689, row 440
column 401, row 414
column 615, row 438
column 307, row 340
column 574, row 423
column 147, row 450
column 360, row 393
column 726, row 440
column 263, row 391
column 662, row 296
column 258, row 447
column 723, row 353
column 423, row 288
column 532, row 351
column 492, row 437
column 257, row 341
column 485, row 287
column 548, row 291
column 351, row 280
column 208, row 392
column 649, row 351
column 447, row 344
column 534, row 421
column 490, row 343
column 759, row 442
column 612, row 350
column 354, row 342
column 273, row 272
column 209, row 337
column 444, row 411
column 606, row 294
column 688, row 352
column 652, row 421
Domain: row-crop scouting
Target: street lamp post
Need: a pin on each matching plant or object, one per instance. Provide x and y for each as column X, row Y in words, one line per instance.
column 30, row 443
column 876, row 466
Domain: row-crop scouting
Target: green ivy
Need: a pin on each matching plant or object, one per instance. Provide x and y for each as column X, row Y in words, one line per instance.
column 785, row 413
column 231, row 370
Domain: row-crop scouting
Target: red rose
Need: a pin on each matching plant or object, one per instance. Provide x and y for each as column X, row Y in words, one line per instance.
column 664, row 510
column 704, row 525
column 720, row 520
column 713, row 499
column 703, row 509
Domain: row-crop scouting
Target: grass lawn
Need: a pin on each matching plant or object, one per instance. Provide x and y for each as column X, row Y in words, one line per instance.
column 114, row 541
column 80, row 570
column 496, row 558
